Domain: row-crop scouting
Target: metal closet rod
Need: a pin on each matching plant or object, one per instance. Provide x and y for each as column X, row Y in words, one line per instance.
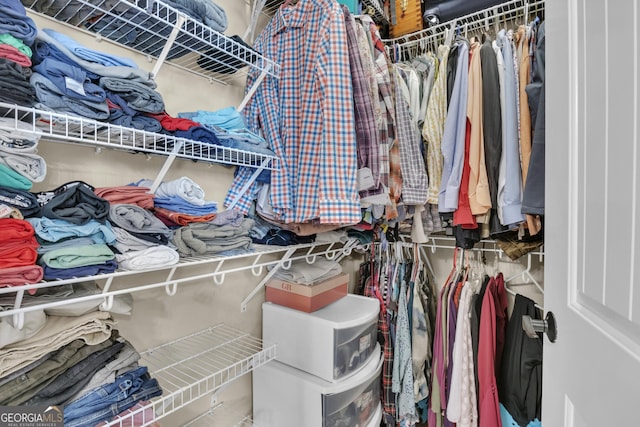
column 484, row 19
column 433, row 245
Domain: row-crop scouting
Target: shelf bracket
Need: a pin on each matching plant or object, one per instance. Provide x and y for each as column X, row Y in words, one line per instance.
column 254, row 88
column 165, row 167
column 252, row 178
column 168, row 45
column 18, row 318
column 286, row 257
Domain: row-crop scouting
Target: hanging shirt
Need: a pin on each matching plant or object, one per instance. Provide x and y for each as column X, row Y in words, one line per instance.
column 454, row 135
column 365, row 122
column 479, row 197
column 490, row 346
column 433, row 127
column 491, row 126
column 306, row 116
column 462, row 407
column 511, row 194
column 402, row 364
column 414, row 176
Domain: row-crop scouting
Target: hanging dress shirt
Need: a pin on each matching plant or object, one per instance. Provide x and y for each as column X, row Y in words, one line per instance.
column 454, row 135
column 479, row 196
column 511, row 193
column 462, row 407
column 433, row 127
column 365, row 122
column 490, row 346
column 524, row 71
column 414, row 176
column 491, row 126
column 306, row 116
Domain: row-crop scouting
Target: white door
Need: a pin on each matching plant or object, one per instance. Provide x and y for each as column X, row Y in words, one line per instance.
column 592, row 240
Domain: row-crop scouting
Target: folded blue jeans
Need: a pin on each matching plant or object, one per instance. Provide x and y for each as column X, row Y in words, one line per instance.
column 107, row 401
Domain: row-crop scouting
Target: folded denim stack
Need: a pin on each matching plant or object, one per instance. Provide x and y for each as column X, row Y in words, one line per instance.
column 109, row 400
column 72, row 78
column 18, row 253
column 122, row 115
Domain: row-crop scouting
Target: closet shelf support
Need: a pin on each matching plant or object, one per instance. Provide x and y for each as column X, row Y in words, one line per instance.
column 254, row 88
column 286, row 257
column 245, row 187
column 169, row 43
column 165, row 167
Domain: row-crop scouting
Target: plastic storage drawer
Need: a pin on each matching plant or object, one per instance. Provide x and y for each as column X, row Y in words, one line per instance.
column 288, row 397
column 332, row 343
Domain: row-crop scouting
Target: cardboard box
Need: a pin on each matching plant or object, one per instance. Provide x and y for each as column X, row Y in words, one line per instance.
column 307, row 298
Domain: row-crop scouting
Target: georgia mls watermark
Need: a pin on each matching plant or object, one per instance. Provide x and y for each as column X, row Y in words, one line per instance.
column 31, row 416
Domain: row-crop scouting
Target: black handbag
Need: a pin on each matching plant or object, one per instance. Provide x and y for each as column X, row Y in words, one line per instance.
column 439, row 11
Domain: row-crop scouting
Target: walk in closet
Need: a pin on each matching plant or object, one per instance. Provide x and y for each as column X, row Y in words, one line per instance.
column 221, row 352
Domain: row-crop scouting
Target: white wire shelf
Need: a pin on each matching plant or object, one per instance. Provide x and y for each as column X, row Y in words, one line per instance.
column 78, row 130
column 208, row 419
column 188, row 270
column 161, row 32
column 484, row 20
column 197, row 365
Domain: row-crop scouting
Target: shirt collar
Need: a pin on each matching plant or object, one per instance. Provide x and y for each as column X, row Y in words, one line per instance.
column 291, row 16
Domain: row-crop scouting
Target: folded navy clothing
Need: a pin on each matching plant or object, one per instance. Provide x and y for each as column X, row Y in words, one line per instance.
column 43, row 50
column 14, row 21
column 74, row 202
column 137, row 121
column 199, row 133
column 24, row 201
column 279, row 237
column 88, row 270
column 138, row 96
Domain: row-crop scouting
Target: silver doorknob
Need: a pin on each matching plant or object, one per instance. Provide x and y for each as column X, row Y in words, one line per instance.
column 533, row 326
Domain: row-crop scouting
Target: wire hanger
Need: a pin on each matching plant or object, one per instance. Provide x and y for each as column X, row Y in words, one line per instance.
column 527, row 276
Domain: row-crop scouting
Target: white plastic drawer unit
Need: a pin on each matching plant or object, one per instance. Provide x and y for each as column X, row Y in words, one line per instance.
column 332, row 343
column 288, row 397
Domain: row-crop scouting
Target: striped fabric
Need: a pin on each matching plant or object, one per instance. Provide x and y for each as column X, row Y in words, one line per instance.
column 414, row 176
column 306, row 116
column 434, row 126
column 365, row 121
